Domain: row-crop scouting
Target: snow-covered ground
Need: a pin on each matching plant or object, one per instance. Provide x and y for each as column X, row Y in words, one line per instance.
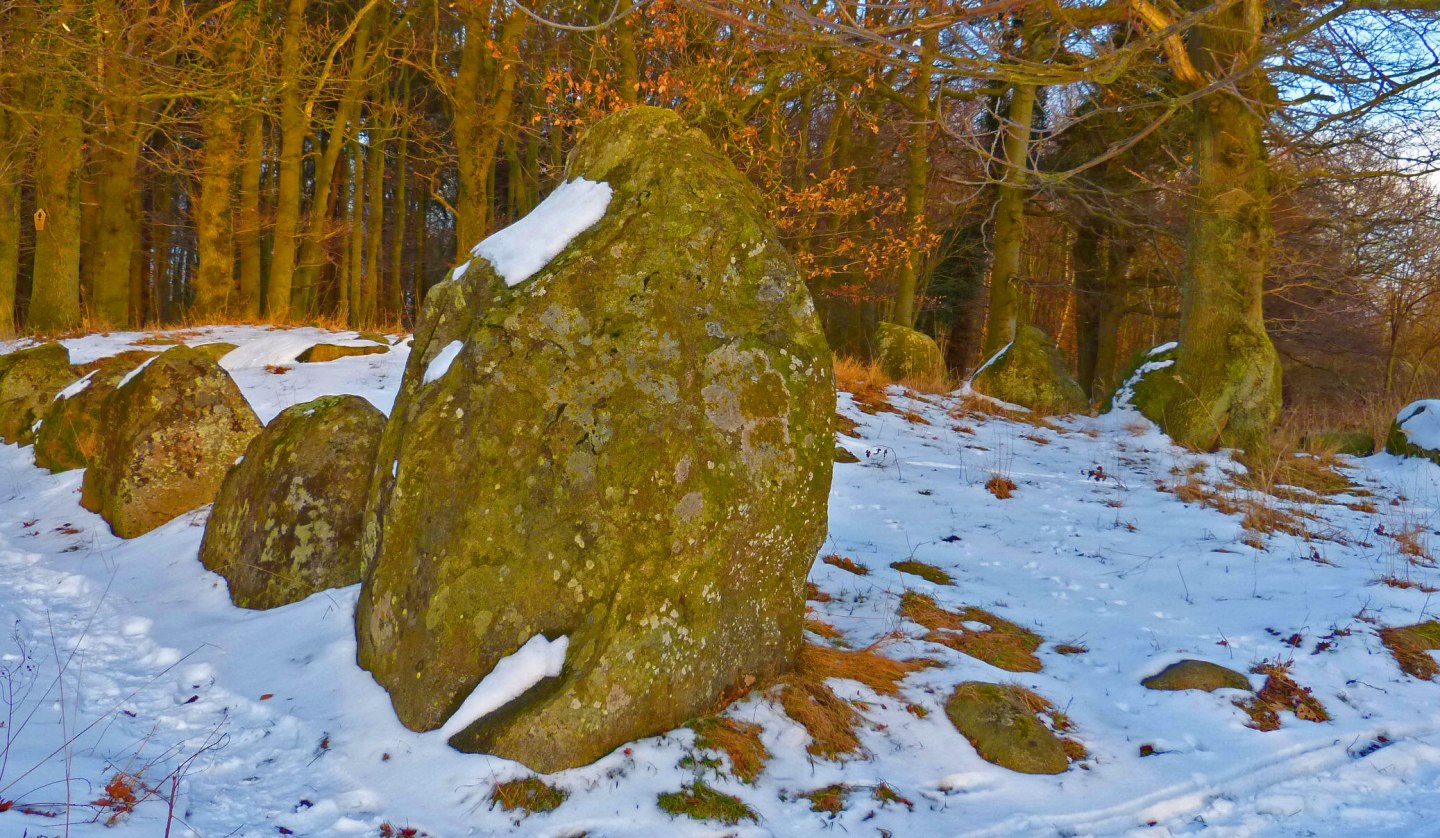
column 127, row 655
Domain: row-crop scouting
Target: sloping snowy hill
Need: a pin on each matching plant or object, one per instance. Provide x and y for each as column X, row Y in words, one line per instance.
column 126, row 656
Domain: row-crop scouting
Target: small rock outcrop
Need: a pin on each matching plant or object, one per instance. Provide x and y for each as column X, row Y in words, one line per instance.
column 630, row 448
column 1352, row 443
column 1031, row 372
column 906, row 353
column 29, row 381
column 1003, row 724
column 321, row 352
column 170, row 431
column 286, row 523
column 69, row 435
column 1416, row 431
column 1197, row 675
column 215, row 351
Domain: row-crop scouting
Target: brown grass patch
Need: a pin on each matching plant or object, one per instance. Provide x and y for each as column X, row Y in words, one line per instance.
column 1001, row 486
column 1411, row 646
column 846, row 563
column 866, row 383
column 1035, row 438
column 740, row 741
column 830, row 720
column 1407, row 584
column 1071, row 649
column 829, row 800
column 1280, row 694
column 823, row 629
column 845, row 425
column 1006, row 645
column 530, row 795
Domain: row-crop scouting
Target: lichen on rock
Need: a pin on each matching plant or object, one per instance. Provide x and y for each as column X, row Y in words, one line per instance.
column 286, row 523
column 170, row 431
column 906, row 353
column 69, row 436
column 1031, row 372
column 631, row 448
column 29, row 381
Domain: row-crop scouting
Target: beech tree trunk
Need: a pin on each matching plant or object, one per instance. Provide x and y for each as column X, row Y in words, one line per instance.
column 294, row 124
column 1009, row 236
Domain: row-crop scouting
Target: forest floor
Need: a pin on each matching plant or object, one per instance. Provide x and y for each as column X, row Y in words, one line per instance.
column 133, row 693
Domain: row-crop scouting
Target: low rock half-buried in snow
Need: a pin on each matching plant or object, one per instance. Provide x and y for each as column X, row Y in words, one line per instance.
column 519, row 251
column 440, row 364
column 1419, row 424
column 511, row 678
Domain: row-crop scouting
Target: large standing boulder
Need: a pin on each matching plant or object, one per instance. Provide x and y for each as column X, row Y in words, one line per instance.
column 286, row 523
column 1416, row 431
column 172, row 428
column 29, row 381
column 631, row 448
column 69, row 436
column 906, row 353
column 1031, row 372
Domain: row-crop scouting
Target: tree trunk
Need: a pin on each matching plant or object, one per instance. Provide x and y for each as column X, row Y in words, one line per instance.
column 294, row 124
column 247, row 217
column 374, row 227
column 117, row 217
column 395, row 277
column 214, row 222
column 1009, row 236
column 10, row 157
column 55, row 286
column 1226, row 384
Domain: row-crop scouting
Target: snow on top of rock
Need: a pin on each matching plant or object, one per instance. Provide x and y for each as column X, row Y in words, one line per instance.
column 77, row 388
column 1420, row 423
column 1163, row 348
column 521, row 250
column 538, row 659
column 440, row 364
column 129, row 376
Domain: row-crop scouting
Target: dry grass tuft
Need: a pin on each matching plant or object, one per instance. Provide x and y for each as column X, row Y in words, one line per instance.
column 703, row 803
column 1411, row 646
column 1280, row 694
column 866, row 383
column 928, row 572
column 845, row 425
column 1001, row 486
column 1407, row 583
column 1005, row 645
column 829, row 800
column 830, row 720
column 823, row 629
column 529, row 795
column 846, row 563
column 738, row 740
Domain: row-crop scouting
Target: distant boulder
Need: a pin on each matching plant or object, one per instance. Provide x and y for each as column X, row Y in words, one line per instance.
column 906, row 353
column 1031, row 372
column 1416, row 431
column 615, row 426
column 215, row 351
column 70, row 434
column 1197, row 675
column 286, row 523
column 1353, row 443
column 29, row 381
column 322, row 352
column 171, row 430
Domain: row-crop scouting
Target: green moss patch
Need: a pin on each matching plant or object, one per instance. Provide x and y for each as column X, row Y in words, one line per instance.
column 1004, row 724
column 703, row 803
column 928, row 572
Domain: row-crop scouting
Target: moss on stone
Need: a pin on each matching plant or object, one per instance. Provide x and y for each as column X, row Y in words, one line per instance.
column 321, row 352
column 215, row 351
column 1397, row 442
column 647, row 452
column 1226, row 396
column 1196, row 675
column 69, row 436
column 1031, row 372
column 1003, row 724
column 29, row 381
column 169, row 434
column 906, row 353
column 703, row 803
column 287, row 520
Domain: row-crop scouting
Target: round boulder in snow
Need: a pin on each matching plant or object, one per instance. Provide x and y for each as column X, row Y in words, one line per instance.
column 1416, row 431
column 1192, row 674
column 1031, row 372
column 171, row 429
column 29, row 380
column 286, row 523
column 907, row 353
column 623, row 439
column 70, row 434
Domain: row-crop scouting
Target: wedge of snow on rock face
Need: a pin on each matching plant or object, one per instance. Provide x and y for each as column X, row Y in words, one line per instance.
column 440, row 364
column 511, row 678
column 130, row 376
column 77, row 388
column 1420, row 423
column 519, row 251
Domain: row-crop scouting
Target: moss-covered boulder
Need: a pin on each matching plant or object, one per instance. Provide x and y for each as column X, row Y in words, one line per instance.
column 1353, row 443
column 286, row 523
column 1196, row 675
column 1031, row 372
column 1138, row 385
column 29, row 381
column 906, row 353
column 1416, row 431
column 321, row 352
column 1003, row 723
column 216, row 351
column 631, row 448
column 69, row 436
column 171, row 429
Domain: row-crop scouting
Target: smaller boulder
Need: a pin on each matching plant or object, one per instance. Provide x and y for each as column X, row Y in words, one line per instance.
column 215, row 351
column 1031, row 372
column 322, row 352
column 843, row 455
column 906, row 353
column 29, row 381
column 170, row 431
column 1353, row 443
column 1197, row 675
column 1002, row 722
column 287, row 521
column 69, row 436
column 1416, row 431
